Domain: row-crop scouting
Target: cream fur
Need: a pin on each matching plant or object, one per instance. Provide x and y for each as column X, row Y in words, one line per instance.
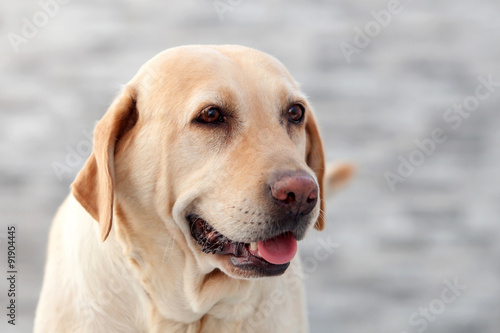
column 120, row 255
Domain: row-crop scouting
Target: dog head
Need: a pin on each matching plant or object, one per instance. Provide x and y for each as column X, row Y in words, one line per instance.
column 214, row 144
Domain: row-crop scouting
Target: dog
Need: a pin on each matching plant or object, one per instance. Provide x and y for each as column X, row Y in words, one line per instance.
column 205, row 172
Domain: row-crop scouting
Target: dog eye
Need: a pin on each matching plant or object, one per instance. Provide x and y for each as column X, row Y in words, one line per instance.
column 210, row 116
column 296, row 113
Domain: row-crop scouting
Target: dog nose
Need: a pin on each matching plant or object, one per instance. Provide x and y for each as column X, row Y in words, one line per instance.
column 297, row 192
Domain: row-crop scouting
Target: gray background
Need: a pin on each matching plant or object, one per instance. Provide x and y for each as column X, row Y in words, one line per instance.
column 394, row 249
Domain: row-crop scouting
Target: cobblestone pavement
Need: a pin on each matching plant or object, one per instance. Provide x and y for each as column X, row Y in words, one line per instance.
column 420, row 256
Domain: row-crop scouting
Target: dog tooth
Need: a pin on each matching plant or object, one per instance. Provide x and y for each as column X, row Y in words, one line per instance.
column 253, row 246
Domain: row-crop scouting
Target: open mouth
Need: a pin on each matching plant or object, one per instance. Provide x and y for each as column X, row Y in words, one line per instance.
column 268, row 257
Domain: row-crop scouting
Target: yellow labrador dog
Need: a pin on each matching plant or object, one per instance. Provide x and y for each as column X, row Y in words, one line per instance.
column 206, row 171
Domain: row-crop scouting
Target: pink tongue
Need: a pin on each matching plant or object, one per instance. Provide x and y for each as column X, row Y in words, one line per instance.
column 279, row 250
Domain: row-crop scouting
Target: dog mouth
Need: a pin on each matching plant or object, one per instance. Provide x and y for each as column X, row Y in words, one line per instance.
column 266, row 257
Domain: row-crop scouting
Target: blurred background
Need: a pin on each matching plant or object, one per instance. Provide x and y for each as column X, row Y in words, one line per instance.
column 407, row 90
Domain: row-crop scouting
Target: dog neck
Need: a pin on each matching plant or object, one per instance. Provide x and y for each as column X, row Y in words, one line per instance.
column 178, row 292
column 131, row 283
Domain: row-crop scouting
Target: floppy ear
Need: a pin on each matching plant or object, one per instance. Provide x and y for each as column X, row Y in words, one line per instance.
column 315, row 158
column 336, row 176
column 93, row 186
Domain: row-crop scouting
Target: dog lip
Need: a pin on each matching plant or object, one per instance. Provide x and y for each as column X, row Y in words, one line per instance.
column 253, row 263
column 204, row 234
column 211, row 241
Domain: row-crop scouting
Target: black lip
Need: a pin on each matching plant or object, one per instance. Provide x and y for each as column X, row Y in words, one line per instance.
column 255, row 264
column 211, row 241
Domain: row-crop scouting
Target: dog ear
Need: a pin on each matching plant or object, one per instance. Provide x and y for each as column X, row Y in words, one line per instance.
column 315, row 158
column 336, row 176
column 94, row 184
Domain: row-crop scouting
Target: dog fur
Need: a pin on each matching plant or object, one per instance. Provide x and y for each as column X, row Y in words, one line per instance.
column 121, row 257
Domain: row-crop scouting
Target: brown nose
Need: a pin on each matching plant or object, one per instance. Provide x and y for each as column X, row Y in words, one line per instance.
column 296, row 192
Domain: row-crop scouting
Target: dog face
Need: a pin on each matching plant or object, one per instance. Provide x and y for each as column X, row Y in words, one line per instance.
column 216, row 145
